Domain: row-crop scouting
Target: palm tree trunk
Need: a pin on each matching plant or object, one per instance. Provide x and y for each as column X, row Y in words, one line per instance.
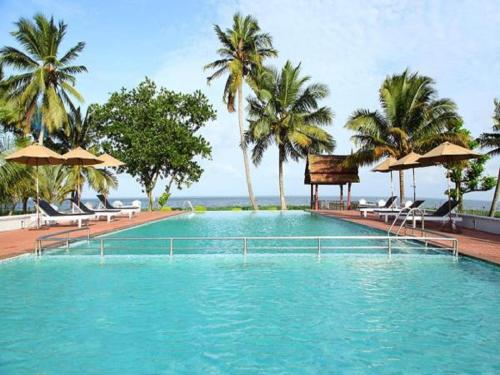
column 25, row 205
column 401, row 188
column 243, row 146
column 496, row 196
column 281, row 177
column 459, row 197
column 41, row 135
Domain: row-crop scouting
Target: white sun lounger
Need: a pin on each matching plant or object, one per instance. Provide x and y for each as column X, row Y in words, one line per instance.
column 125, row 210
column 388, row 206
column 50, row 215
column 107, row 214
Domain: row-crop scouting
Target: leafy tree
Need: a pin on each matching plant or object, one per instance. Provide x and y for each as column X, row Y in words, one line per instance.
column 154, row 131
column 286, row 113
column 412, row 119
column 45, row 80
column 244, row 47
column 468, row 175
column 492, row 141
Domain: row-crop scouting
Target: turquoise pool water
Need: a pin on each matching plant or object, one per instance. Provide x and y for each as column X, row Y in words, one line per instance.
column 261, row 314
column 238, row 224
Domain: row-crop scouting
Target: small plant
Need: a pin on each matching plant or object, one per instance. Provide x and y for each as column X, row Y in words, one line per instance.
column 166, row 208
column 162, row 201
column 236, row 209
column 270, row 208
column 200, row 208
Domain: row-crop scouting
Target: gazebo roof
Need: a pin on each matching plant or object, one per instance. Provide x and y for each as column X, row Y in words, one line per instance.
column 329, row 170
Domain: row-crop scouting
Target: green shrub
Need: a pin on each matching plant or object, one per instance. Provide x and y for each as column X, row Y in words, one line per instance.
column 200, row 208
column 166, row 208
column 270, row 208
column 162, row 200
column 236, row 209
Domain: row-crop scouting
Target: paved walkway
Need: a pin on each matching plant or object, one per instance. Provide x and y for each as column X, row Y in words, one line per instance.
column 17, row 242
column 474, row 243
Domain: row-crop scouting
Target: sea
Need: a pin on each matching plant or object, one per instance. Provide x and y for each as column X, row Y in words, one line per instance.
column 240, row 201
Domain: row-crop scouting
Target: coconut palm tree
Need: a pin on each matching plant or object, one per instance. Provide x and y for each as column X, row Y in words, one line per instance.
column 412, row 119
column 492, row 141
column 286, row 113
column 244, row 47
column 16, row 182
column 80, row 132
column 45, row 79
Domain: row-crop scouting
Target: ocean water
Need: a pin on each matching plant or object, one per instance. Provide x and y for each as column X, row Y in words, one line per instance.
column 260, row 314
column 180, row 202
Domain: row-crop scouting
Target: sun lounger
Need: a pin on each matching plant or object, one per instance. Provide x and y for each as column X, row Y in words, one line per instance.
column 388, row 206
column 107, row 214
column 442, row 214
column 395, row 212
column 50, row 215
column 124, row 210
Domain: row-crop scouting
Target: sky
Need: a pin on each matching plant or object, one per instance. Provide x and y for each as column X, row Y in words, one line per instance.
column 351, row 46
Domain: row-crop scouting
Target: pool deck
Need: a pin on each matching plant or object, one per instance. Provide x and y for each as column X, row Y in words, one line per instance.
column 22, row 241
column 472, row 243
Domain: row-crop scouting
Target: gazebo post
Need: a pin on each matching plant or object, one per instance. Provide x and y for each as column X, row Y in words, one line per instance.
column 341, row 196
column 316, row 198
column 349, row 185
column 311, row 200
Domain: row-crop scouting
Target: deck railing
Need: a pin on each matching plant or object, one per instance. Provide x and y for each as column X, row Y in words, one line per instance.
column 251, row 243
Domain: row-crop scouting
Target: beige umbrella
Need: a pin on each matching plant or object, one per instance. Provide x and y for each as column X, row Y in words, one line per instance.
column 407, row 162
column 80, row 157
column 384, row 167
column 448, row 152
column 36, row 155
column 109, row 161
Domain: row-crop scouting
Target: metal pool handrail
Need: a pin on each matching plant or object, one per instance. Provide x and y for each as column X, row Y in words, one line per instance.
column 170, row 241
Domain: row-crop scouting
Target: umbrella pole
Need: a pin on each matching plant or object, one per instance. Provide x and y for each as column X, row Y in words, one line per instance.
column 449, row 198
column 37, row 200
column 392, row 186
column 78, row 187
column 414, row 186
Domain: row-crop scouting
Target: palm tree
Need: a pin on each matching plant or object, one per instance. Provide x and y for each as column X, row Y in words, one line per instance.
column 80, row 132
column 54, row 183
column 286, row 113
column 16, row 182
column 244, row 47
column 412, row 119
column 45, row 80
column 492, row 140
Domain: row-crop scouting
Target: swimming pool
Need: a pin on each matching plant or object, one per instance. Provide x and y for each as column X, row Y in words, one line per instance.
column 222, row 232
column 265, row 313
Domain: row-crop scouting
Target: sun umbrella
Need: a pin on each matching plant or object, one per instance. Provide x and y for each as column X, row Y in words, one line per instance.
column 448, row 152
column 109, row 161
column 384, row 168
column 36, row 155
column 80, row 157
column 407, row 162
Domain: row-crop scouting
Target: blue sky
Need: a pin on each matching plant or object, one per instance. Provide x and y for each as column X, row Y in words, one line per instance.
column 349, row 45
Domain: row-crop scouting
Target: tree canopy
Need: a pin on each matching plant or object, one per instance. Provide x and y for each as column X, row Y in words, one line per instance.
column 45, row 81
column 154, row 131
column 412, row 119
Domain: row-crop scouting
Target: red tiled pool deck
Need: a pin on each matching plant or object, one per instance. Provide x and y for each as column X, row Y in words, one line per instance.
column 473, row 243
column 21, row 241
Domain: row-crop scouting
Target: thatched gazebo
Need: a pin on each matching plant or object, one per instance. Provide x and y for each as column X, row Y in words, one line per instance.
column 329, row 170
